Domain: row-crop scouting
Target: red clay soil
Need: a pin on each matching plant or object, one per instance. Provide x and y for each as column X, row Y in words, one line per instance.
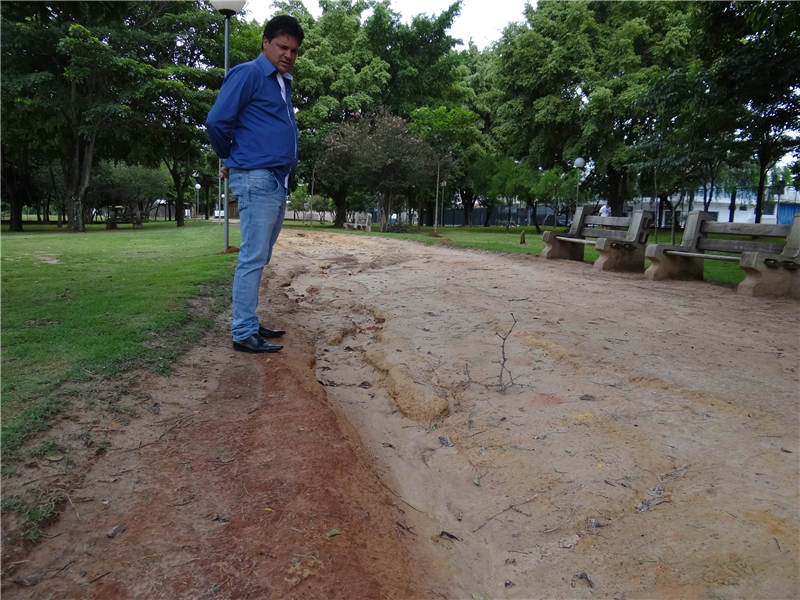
column 247, row 490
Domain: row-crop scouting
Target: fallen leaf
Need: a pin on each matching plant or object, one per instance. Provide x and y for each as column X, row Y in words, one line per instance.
column 332, row 533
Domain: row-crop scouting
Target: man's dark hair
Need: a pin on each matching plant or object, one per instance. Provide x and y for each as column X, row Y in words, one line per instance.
column 284, row 25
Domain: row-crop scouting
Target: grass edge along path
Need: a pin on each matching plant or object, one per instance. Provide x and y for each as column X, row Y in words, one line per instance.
column 111, row 276
column 500, row 239
column 89, row 306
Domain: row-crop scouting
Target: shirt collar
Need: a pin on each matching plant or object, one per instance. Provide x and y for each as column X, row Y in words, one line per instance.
column 269, row 68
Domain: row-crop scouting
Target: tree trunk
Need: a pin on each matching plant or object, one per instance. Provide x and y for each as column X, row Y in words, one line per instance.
column 489, row 211
column 535, row 217
column 732, row 207
column 615, row 199
column 339, row 197
column 763, row 167
column 468, row 201
column 80, row 175
column 14, row 197
column 385, row 210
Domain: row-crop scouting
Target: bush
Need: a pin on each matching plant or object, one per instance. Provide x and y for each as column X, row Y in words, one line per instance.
column 402, row 228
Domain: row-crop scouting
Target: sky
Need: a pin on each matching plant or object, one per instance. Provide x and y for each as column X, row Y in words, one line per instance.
column 481, row 20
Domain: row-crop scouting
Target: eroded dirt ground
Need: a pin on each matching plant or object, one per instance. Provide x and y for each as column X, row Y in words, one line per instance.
column 444, row 423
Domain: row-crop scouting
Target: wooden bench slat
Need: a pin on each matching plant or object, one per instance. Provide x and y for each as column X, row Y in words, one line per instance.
column 576, row 240
column 610, row 221
column 701, row 255
column 755, row 229
column 612, row 234
column 738, row 246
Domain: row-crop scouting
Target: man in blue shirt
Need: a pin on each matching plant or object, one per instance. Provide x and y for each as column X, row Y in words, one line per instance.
column 252, row 129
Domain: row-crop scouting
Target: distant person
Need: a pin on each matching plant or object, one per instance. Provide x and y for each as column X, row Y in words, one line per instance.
column 605, row 211
column 252, row 129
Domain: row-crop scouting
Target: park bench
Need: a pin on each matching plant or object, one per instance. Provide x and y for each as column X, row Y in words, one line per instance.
column 772, row 268
column 113, row 222
column 361, row 222
column 620, row 249
column 117, row 216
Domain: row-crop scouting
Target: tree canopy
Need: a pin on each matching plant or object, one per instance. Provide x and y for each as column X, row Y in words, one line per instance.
column 660, row 98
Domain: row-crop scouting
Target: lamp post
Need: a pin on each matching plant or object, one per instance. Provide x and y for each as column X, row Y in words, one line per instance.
column 197, row 187
column 436, row 208
column 579, row 164
column 444, row 183
column 228, row 8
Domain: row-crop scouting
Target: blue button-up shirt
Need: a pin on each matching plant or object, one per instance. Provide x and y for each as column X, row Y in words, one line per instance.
column 251, row 126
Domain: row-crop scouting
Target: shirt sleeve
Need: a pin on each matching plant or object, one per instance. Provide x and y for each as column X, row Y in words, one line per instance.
column 235, row 94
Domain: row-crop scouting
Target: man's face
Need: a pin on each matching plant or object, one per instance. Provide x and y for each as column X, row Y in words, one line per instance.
column 281, row 52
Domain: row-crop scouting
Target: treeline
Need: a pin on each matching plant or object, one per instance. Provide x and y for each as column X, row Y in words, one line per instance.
column 659, row 98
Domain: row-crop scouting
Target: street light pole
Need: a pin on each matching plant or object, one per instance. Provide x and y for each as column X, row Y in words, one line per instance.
column 197, row 187
column 436, row 209
column 579, row 164
column 228, row 8
column 444, row 183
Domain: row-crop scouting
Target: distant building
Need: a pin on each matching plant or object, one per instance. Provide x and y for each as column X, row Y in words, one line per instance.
column 777, row 208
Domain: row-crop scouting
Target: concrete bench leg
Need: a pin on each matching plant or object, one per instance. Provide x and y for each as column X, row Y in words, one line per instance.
column 619, row 256
column 556, row 248
column 763, row 280
column 671, row 266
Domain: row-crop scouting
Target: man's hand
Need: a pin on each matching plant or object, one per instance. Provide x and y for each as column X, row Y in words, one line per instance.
column 223, row 173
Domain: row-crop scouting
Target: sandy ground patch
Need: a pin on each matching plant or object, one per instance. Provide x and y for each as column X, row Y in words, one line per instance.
column 472, row 423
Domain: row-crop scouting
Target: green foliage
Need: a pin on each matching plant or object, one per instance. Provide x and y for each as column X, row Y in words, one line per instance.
column 401, row 228
column 134, row 187
column 752, row 50
column 424, row 70
column 379, row 153
column 570, row 77
column 115, row 80
column 349, row 66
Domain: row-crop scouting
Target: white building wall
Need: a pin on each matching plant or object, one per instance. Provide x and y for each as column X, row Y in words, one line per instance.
column 745, row 205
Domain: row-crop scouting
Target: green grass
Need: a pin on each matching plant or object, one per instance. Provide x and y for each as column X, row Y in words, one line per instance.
column 88, row 305
column 35, row 514
column 501, row 240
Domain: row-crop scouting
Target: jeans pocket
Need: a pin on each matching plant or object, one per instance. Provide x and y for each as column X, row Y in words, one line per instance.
column 237, row 183
column 264, row 183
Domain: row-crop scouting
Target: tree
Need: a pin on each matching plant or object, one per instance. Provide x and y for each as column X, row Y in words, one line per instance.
column 570, row 75
column 753, row 51
column 133, row 187
column 380, row 153
column 687, row 136
column 111, row 79
column 423, row 67
column 451, row 133
column 337, row 75
column 171, row 106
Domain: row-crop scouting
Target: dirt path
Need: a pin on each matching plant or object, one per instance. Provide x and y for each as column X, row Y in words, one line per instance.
column 643, row 435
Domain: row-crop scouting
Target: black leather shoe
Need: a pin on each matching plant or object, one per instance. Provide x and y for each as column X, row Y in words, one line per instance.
column 269, row 333
column 255, row 344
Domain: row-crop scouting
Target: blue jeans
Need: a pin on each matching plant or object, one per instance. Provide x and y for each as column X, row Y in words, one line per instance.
column 262, row 206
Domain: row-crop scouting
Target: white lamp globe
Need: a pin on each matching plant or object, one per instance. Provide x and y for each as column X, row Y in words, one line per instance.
column 579, row 163
column 228, row 6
